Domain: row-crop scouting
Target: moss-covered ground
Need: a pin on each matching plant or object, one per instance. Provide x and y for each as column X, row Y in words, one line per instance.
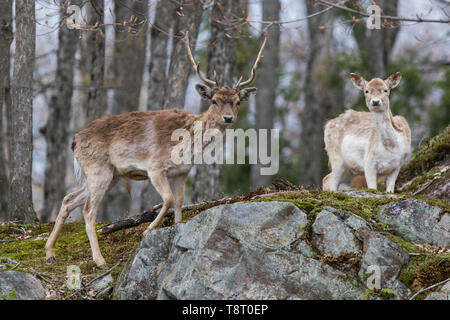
column 27, row 246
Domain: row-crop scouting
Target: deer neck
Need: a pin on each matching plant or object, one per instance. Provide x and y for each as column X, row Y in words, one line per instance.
column 385, row 128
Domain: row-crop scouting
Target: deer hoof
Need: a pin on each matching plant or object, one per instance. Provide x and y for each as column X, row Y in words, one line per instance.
column 51, row 260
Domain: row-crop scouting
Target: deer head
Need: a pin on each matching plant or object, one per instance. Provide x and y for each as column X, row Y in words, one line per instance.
column 377, row 90
column 225, row 101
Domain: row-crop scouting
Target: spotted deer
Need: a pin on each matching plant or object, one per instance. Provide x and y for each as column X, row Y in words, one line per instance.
column 372, row 144
column 137, row 145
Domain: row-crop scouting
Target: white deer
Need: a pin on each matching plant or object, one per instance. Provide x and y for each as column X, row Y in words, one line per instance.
column 138, row 145
column 374, row 144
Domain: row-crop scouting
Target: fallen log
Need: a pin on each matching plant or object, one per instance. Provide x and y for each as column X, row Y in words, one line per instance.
column 151, row 214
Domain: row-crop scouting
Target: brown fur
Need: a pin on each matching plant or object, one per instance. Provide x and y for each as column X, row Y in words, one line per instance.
column 120, row 147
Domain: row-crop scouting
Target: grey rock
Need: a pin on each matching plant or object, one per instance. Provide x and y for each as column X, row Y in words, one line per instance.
column 382, row 253
column 365, row 194
column 139, row 278
column 441, row 232
column 446, row 288
column 18, row 285
column 3, row 267
column 102, row 283
column 305, row 249
column 414, row 220
column 257, row 251
column 104, row 294
column 331, row 235
column 436, row 296
column 236, row 251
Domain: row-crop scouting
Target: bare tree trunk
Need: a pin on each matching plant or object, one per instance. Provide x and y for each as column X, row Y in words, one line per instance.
column 164, row 18
column 165, row 15
column 20, row 202
column 267, row 83
column 189, row 19
column 57, row 128
column 128, row 69
column 375, row 45
column 221, row 58
column 320, row 30
column 96, row 45
column 6, row 38
column 129, row 55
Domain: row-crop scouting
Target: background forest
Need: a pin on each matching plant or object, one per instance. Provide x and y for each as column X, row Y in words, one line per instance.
column 129, row 55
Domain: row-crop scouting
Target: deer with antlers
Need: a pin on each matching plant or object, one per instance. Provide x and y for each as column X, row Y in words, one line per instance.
column 373, row 144
column 137, row 145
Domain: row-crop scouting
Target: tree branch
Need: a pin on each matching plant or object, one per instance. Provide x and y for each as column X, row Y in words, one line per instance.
column 392, row 18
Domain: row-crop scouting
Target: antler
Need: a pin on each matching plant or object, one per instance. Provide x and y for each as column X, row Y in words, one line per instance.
column 255, row 66
column 196, row 66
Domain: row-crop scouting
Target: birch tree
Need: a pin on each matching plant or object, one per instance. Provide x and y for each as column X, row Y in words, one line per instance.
column 267, row 83
column 320, row 31
column 57, row 128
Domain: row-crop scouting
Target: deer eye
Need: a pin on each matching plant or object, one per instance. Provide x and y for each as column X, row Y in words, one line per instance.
column 214, row 101
column 367, row 91
column 385, row 91
column 238, row 103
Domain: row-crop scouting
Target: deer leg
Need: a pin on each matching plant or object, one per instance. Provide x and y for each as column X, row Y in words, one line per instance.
column 336, row 176
column 390, row 180
column 71, row 202
column 326, row 182
column 98, row 185
column 179, row 184
column 161, row 184
column 370, row 174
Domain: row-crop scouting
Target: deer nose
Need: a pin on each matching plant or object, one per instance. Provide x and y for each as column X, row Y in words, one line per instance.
column 376, row 102
column 228, row 119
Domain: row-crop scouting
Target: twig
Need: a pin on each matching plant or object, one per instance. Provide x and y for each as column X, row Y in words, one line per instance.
column 79, row 291
column 428, row 288
column 103, row 274
column 424, row 187
column 392, row 18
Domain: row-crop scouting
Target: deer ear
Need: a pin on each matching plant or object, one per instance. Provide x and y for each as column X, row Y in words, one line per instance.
column 393, row 80
column 244, row 94
column 358, row 81
column 204, row 91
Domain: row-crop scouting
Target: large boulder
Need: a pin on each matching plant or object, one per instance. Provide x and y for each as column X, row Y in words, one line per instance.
column 18, row 285
column 257, row 250
column 417, row 221
column 332, row 235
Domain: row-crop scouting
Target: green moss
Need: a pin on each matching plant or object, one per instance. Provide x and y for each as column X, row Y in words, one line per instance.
column 367, row 294
column 405, row 244
column 426, row 269
column 72, row 248
column 11, row 295
column 426, row 157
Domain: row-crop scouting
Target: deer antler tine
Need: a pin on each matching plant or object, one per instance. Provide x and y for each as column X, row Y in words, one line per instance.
column 255, row 66
column 195, row 65
column 216, row 79
column 238, row 83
